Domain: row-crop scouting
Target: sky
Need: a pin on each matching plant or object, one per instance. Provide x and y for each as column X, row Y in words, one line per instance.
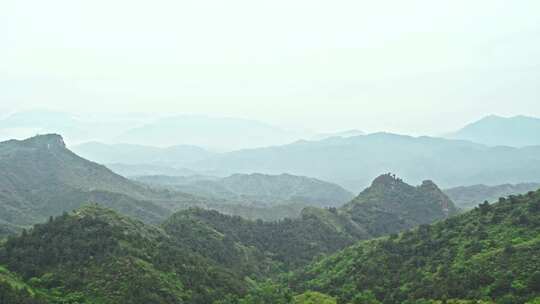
column 415, row 67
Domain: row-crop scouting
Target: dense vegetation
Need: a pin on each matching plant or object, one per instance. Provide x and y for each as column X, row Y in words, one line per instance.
column 290, row 242
column 490, row 253
column 95, row 255
column 14, row 291
column 388, row 206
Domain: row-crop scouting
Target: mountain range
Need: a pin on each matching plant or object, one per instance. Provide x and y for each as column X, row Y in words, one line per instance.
column 216, row 133
column 129, row 154
column 516, row 131
column 490, row 253
column 40, row 177
column 351, row 162
column 258, row 189
column 95, row 255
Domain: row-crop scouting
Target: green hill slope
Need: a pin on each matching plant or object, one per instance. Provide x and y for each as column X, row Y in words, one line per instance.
column 388, row 206
column 95, row 255
column 491, row 253
column 40, row 177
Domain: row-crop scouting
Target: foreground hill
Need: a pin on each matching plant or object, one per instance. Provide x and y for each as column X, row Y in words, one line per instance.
column 491, row 252
column 95, row 255
column 40, row 177
column 259, row 189
column 351, row 162
column 388, row 206
column 517, row 131
column 468, row 197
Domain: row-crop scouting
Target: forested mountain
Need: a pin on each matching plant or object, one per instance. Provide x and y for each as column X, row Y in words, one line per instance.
column 517, row 131
column 351, row 162
column 259, row 189
column 290, row 242
column 40, row 177
column 489, row 253
column 388, row 206
column 468, row 197
column 95, row 255
column 129, row 154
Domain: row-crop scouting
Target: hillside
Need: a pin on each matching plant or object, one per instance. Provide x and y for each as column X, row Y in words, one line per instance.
column 259, row 189
column 388, row 206
column 517, row 131
column 489, row 253
column 468, row 197
column 290, row 242
column 351, row 162
column 95, row 255
column 40, row 177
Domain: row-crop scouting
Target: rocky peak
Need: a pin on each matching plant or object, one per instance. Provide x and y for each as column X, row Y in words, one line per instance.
column 386, row 180
column 47, row 141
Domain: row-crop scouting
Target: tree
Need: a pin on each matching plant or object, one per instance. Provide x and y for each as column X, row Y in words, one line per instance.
column 365, row 297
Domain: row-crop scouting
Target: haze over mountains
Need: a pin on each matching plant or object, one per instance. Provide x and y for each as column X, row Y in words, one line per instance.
column 348, row 158
column 350, row 162
column 40, row 177
column 130, row 154
column 468, row 197
column 258, row 189
column 217, row 133
column 517, row 131
column 159, row 244
column 270, row 152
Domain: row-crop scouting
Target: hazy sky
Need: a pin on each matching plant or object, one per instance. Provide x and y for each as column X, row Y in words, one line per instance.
column 418, row 67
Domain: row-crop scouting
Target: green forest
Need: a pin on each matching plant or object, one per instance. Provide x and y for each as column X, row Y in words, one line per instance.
column 125, row 242
column 94, row 255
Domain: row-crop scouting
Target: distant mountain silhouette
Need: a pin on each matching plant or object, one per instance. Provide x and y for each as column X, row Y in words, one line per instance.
column 347, row 133
column 517, row 131
column 208, row 132
column 351, row 162
column 129, row 154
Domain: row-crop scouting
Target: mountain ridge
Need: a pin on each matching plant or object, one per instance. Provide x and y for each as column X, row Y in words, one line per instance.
column 493, row 130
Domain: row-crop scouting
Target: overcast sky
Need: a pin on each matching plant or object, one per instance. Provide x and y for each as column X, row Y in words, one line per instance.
column 421, row 67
